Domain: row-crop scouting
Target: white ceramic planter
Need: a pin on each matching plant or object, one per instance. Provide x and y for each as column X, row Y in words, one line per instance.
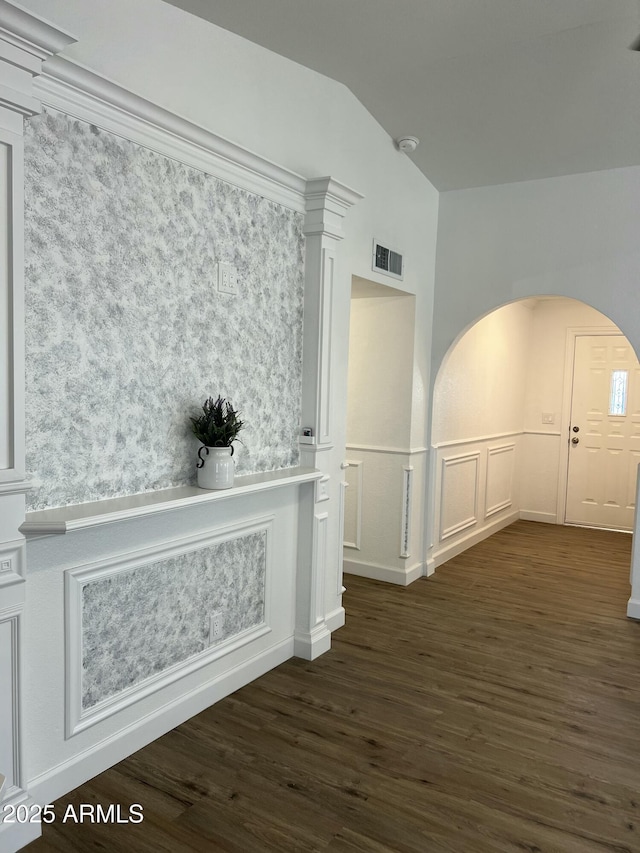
column 215, row 468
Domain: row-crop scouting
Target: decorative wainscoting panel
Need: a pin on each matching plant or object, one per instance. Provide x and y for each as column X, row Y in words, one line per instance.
column 136, row 624
column 126, row 332
column 9, row 700
column 500, row 476
column 459, row 491
column 384, row 512
column 474, row 493
column 353, row 505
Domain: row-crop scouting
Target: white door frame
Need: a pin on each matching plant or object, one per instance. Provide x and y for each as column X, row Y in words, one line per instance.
column 573, row 332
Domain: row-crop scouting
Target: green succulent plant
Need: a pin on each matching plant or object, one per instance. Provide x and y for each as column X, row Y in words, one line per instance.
column 218, row 425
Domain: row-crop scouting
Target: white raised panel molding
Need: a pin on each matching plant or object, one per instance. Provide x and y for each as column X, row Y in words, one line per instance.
column 10, row 765
column 76, row 718
column 344, row 485
column 353, row 513
column 459, row 493
column 500, row 474
column 407, row 502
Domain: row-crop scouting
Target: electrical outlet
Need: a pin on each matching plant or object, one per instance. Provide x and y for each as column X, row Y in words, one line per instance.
column 215, row 627
column 227, row 278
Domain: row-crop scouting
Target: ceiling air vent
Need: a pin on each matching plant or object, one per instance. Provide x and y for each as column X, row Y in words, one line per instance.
column 387, row 261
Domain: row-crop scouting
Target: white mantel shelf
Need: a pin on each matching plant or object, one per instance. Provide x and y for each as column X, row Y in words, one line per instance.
column 66, row 519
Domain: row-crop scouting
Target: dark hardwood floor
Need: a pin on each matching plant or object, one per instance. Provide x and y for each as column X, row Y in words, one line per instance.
column 494, row 707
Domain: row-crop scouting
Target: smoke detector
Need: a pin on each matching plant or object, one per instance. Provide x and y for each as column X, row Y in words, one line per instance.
column 407, row 143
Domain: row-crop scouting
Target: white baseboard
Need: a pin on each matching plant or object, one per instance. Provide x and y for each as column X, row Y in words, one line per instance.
column 468, row 541
column 336, row 619
column 633, row 608
column 544, row 517
column 14, row 836
column 388, row 574
column 310, row 646
column 58, row 781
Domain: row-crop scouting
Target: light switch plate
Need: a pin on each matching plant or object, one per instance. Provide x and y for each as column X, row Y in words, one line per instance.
column 227, row 278
column 548, row 418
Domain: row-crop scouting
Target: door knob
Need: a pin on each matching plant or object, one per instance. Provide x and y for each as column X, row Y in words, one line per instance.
column 576, row 429
column 575, row 440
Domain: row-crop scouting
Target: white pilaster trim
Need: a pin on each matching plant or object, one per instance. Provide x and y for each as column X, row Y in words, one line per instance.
column 358, row 465
column 79, row 92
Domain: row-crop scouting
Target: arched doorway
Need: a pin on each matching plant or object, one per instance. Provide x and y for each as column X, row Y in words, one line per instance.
column 500, row 421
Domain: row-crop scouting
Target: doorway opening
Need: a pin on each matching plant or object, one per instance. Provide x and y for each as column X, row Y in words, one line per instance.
column 380, row 507
column 502, row 421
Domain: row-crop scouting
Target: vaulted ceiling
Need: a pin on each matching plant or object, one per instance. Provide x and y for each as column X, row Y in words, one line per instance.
column 496, row 90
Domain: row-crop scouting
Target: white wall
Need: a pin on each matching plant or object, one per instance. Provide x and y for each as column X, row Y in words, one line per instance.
column 380, row 370
column 480, row 389
column 477, row 431
column 575, row 236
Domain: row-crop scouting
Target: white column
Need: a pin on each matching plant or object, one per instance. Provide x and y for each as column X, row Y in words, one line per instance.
column 25, row 42
column 320, row 554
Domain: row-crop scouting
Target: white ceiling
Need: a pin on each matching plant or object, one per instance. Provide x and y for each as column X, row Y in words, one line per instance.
column 496, row 90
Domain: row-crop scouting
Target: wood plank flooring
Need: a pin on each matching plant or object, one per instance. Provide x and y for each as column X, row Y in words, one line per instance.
column 494, row 708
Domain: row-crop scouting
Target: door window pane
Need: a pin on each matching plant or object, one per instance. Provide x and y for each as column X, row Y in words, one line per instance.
column 618, row 395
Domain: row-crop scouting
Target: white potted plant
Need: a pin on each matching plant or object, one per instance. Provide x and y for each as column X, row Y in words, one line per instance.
column 217, row 428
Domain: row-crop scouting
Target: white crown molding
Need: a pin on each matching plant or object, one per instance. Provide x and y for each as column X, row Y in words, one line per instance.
column 31, row 33
column 79, row 92
column 327, row 203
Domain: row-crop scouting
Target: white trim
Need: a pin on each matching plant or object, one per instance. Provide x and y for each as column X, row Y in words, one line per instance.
column 505, row 504
column 82, row 766
column 343, row 486
column 633, row 608
column 450, row 551
column 449, row 462
column 310, row 645
column 336, row 619
column 76, row 718
column 388, row 574
column 80, row 516
column 541, row 432
column 322, row 492
column 30, row 32
column 13, row 616
column 12, row 477
column 15, row 836
column 543, row 517
column 375, row 448
column 358, row 465
column 324, row 380
column 476, row 440
column 407, row 503
column 79, row 92
column 12, row 562
column 312, row 637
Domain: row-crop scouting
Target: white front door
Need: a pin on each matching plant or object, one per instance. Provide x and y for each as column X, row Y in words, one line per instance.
column 604, row 436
